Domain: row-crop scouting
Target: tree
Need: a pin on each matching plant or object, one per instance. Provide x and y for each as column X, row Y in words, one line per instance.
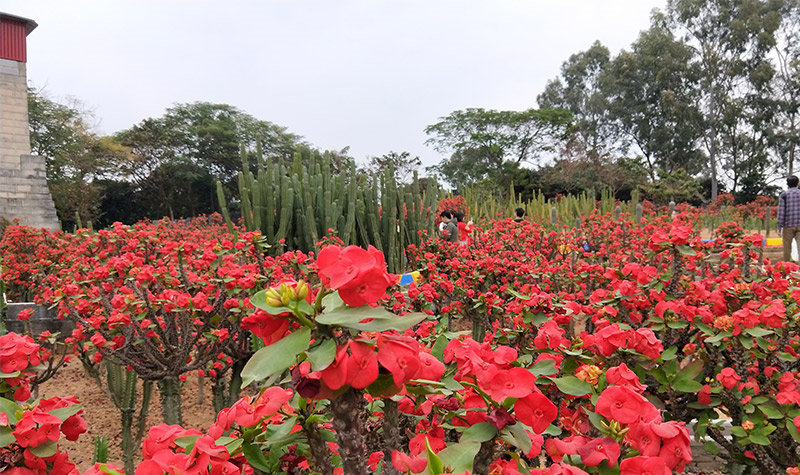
column 785, row 138
column 582, row 89
column 403, row 163
column 198, row 143
column 75, row 156
column 489, row 144
column 653, row 93
column 730, row 40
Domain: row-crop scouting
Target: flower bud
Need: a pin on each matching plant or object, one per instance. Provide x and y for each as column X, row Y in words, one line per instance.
column 273, row 298
column 302, row 290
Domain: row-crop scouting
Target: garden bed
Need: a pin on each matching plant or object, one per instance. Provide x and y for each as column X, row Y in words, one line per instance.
column 102, row 418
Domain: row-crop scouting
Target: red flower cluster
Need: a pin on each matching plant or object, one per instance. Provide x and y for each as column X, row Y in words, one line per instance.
column 41, row 426
column 358, row 365
column 359, row 275
column 18, row 355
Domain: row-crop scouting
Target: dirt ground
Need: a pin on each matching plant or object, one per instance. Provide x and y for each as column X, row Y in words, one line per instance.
column 103, row 418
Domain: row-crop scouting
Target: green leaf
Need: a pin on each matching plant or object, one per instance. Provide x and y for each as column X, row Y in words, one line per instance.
column 275, row 357
column 332, row 301
column 669, row 353
column 255, row 457
column 678, row 324
column 572, row 386
column 322, row 355
column 738, row 431
column 186, row 442
column 792, row 430
column 746, row 341
column 110, row 471
column 784, row 356
column 479, row 432
column 771, row 412
column 711, row 447
column 596, row 420
column 759, row 439
column 544, row 367
column 552, row 430
column 233, row 445
column 518, row 437
column 718, row 337
column 758, row 331
column 5, row 436
column 438, row 347
column 452, row 384
column 276, row 434
column 382, row 319
column 458, row 457
column 47, row 449
column 435, row 464
column 64, row 413
column 691, row 371
column 686, row 250
column 259, row 300
column 10, row 408
column 686, row 385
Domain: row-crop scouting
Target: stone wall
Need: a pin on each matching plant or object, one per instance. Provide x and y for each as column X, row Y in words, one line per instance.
column 23, row 183
column 24, row 193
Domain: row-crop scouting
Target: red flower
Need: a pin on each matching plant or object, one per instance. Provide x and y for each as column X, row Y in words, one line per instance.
column 499, row 418
column 335, row 375
column 704, row 396
column 644, row 466
column 622, row 376
column 401, row 356
column 405, row 464
column 359, row 275
column 431, row 368
column 515, row 382
column 551, row 336
column 265, row 326
column 536, row 411
column 598, row 450
column 73, row 427
column 622, row 404
column 362, row 366
column 728, row 378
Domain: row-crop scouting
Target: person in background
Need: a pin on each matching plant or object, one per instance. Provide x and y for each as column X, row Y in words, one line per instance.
column 789, row 216
column 520, row 215
column 464, row 229
column 450, row 229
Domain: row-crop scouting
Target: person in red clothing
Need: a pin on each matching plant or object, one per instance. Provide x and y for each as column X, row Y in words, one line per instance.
column 464, row 229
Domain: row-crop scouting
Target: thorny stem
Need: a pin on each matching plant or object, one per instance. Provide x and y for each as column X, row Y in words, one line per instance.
column 346, row 411
column 320, row 453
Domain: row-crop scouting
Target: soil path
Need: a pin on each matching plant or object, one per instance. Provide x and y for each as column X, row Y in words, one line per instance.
column 103, row 418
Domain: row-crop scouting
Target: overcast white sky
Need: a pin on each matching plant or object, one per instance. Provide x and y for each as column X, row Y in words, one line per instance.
column 370, row 74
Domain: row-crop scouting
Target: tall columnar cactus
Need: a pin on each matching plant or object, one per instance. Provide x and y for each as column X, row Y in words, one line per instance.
column 295, row 205
column 122, row 387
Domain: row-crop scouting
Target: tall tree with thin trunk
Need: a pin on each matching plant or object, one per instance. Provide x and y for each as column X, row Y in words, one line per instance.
column 731, row 40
